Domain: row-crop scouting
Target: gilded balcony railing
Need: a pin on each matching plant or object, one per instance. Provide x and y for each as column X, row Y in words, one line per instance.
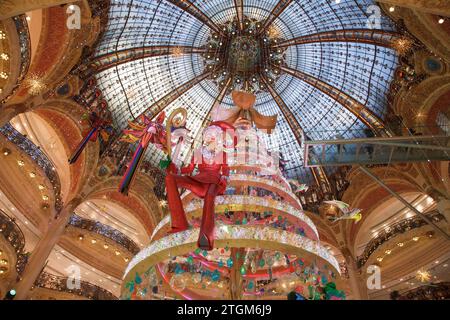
column 434, row 291
column 393, row 231
column 12, row 233
column 38, row 156
column 25, row 51
column 86, row 289
column 104, row 230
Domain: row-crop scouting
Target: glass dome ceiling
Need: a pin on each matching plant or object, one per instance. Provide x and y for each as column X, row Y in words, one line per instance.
column 155, row 49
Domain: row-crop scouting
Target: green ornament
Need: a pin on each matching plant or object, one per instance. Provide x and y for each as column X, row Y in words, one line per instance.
column 243, row 271
column 164, row 164
column 262, row 263
column 244, row 221
column 190, row 260
column 197, row 251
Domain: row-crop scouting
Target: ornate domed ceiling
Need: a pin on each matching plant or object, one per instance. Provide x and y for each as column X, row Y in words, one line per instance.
column 323, row 66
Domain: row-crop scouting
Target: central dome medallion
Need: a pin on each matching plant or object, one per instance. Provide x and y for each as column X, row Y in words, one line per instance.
column 241, row 57
column 244, row 55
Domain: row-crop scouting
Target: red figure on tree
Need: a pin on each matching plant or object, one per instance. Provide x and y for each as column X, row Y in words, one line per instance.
column 211, row 180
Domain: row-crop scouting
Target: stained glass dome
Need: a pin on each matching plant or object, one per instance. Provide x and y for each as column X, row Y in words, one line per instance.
column 154, row 56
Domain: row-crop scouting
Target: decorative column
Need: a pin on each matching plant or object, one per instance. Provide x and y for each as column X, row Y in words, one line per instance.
column 43, row 249
column 357, row 283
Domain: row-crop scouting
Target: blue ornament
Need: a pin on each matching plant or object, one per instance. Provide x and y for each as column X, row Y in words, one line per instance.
column 220, row 264
column 230, row 263
column 137, row 279
column 215, row 276
column 130, row 286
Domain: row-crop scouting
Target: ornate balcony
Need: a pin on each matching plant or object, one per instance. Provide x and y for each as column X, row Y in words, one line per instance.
column 438, row 291
column 25, row 51
column 393, row 231
column 38, row 156
column 86, row 289
column 105, row 231
column 12, row 233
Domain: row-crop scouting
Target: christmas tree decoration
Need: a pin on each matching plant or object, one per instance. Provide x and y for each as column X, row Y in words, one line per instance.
column 249, row 240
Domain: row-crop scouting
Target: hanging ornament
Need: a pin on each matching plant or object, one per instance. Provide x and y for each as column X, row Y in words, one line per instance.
column 230, row 263
column 244, row 221
column 197, row 251
column 215, row 276
column 251, row 285
column 220, row 264
column 137, row 279
column 262, row 262
column 277, row 256
column 190, row 260
column 243, row 270
column 178, row 269
column 130, row 286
